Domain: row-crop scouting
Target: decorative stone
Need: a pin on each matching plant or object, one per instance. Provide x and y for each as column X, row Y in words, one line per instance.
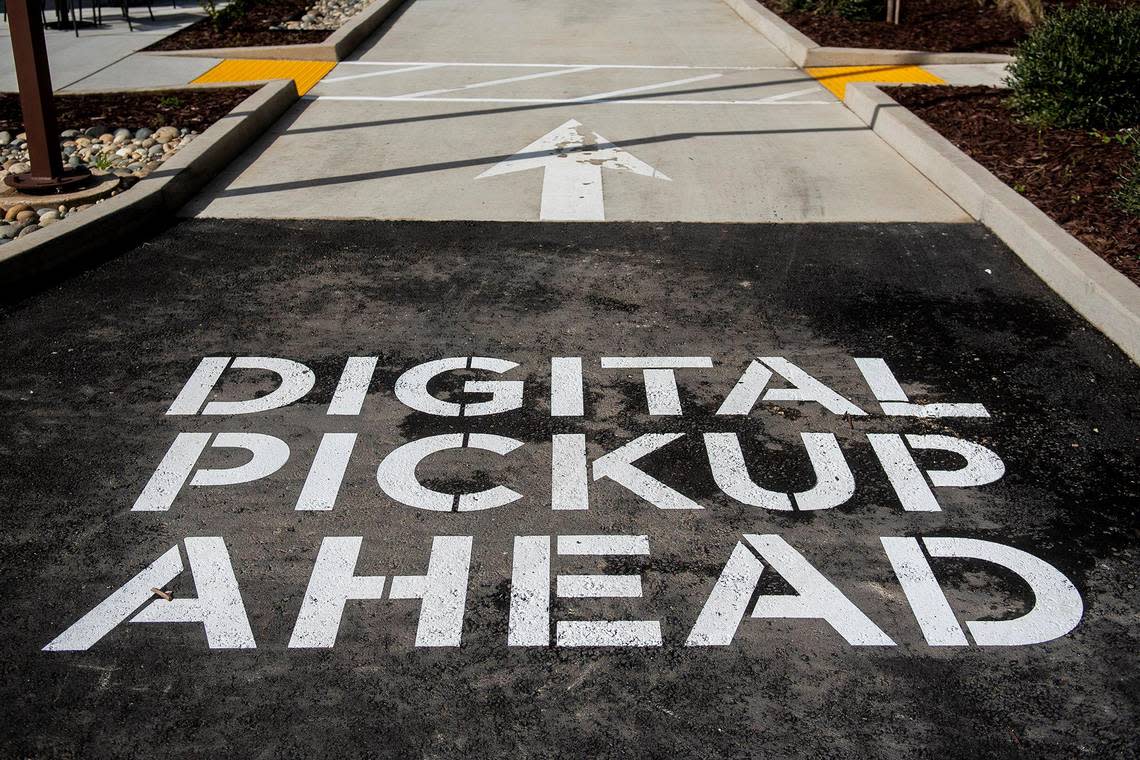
column 28, row 230
column 122, row 135
column 5, row 138
column 155, row 150
column 50, row 217
column 165, row 134
column 25, row 216
column 19, row 168
column 14, row 210
column 143, row 134
column 69, row 134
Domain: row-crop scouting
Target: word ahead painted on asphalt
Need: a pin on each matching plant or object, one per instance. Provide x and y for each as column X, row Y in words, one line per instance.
column 442, row 589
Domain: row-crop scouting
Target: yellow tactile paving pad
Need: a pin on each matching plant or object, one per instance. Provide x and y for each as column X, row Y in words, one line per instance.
column 304, row 73
column 836, row 78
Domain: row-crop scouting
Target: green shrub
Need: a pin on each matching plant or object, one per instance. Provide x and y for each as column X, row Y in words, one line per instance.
column 1080, row 68
column 856, row 10
column 220, row 18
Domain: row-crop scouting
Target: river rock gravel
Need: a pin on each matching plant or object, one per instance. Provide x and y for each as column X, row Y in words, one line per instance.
column 326, row 15
column 128, row 153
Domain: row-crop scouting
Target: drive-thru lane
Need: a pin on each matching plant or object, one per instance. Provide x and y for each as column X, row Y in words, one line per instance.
column 415, row 124
column 545, row 591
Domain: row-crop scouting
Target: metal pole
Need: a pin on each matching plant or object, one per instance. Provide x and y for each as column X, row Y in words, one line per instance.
column 29, row 50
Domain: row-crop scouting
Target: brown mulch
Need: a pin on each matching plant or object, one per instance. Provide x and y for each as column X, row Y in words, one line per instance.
column 937, row 26
column 1070, row 174
column 251, row 29
column 192, row 109
column 940, row 26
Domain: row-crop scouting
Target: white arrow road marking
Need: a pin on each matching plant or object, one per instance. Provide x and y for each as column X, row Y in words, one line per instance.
column 572, row 179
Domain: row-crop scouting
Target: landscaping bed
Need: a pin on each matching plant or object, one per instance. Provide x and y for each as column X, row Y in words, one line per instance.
column 194, row 109
column 265, row 23
column 125, row 134
column 938, row 26
column 1075, row 176
column 254, row 27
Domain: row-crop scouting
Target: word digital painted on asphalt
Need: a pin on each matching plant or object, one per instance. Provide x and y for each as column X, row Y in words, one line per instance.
column 442, row 589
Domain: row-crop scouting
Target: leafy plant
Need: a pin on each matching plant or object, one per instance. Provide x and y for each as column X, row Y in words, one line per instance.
column 1127, row 196
column 213, row 12
column 220, row 18
column 1080, row 68
column 1028, row 12
column 103, row 161
column 855, row 10
column 169, row 101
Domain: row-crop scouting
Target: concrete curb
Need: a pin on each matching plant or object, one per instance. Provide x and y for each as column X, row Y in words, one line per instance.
column 804, row 52
column 153, row 199
column 1103, row 296
column 336, row 46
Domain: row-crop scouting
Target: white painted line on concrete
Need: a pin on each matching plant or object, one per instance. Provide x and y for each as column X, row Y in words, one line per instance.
column 493, row 82
column 559, row 101
column 572, row 175
column 566, row 65
column 371, row 74
column 789, row 95
column 645, row 88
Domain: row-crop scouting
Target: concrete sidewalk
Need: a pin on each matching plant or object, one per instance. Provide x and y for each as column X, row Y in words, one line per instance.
column 108, row 57
column 458, row 110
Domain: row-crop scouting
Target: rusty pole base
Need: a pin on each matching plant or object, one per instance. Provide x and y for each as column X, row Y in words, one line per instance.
column 30, row 184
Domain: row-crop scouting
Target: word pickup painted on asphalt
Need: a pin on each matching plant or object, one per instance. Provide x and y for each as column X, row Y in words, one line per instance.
column 901, row 458
column 572, row 179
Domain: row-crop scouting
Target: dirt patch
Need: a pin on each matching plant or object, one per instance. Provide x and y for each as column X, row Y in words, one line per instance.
column 192, row 109
column 1070, row 174
column 249, row 30
column 942, row 26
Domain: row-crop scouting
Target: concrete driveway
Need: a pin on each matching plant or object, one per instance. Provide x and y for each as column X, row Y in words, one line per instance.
column 724, row 127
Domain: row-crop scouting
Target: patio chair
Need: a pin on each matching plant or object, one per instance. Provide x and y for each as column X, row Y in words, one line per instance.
column 123, row 6
column 4, row 11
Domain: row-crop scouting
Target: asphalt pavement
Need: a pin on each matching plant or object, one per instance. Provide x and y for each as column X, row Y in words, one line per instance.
column 720, row 589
